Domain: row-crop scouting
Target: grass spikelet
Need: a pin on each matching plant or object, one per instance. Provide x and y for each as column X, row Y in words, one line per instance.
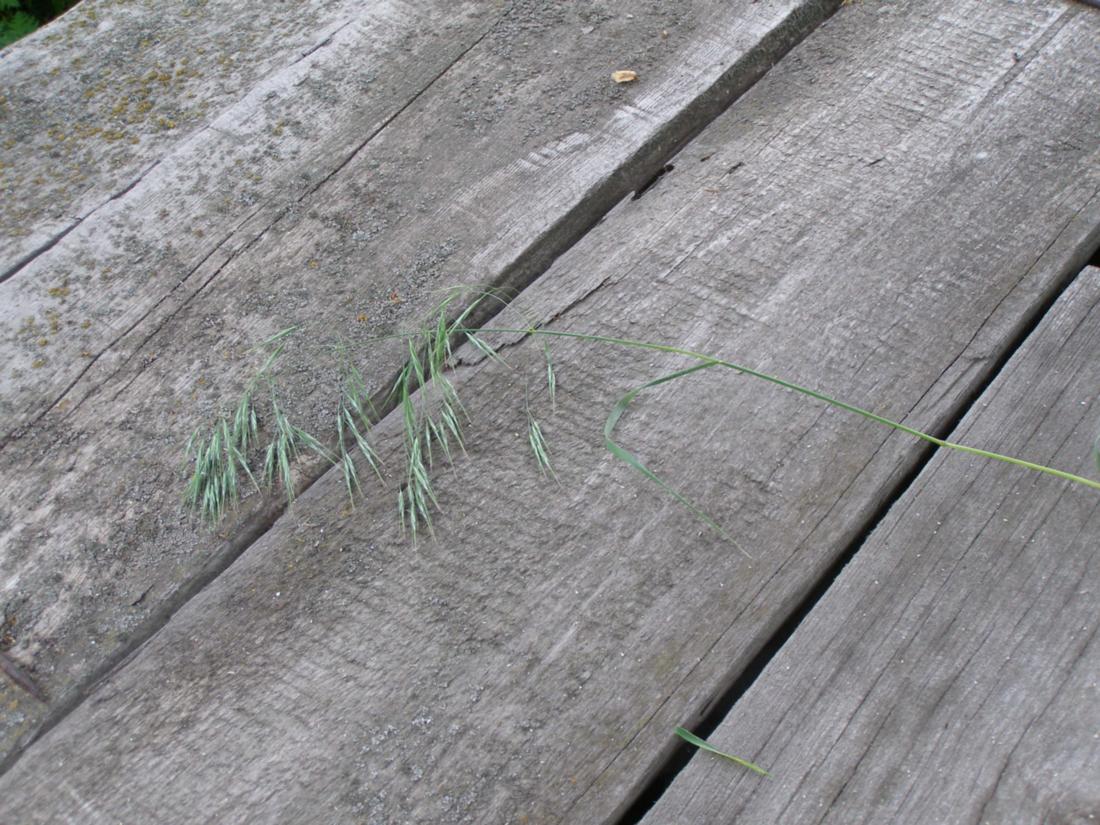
column 222, row 455
column 536, row 440
column 280, row 451
column 538, row 446
column 431, row 418
column 347, row 466
column 417, row 499
column 361, row 442
column 551, row 376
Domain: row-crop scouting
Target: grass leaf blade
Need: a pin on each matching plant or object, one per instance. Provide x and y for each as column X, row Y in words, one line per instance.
column 702, row 744
column 629, row 458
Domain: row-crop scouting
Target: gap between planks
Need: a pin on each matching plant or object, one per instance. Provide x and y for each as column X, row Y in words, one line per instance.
column 720, row 706
column 1060, row 329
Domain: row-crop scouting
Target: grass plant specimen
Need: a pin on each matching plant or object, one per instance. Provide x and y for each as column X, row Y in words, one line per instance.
column 433, row 417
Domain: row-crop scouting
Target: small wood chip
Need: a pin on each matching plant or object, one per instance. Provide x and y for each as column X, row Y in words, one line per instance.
column 20, row 677
column 624, row 76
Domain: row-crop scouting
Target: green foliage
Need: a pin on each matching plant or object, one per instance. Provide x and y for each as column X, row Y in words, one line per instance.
column 14, row 24
column 19, row 18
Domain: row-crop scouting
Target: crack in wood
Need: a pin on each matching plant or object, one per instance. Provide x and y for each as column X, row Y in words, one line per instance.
column 396, row 114
column 649, row 184
column 38, row 252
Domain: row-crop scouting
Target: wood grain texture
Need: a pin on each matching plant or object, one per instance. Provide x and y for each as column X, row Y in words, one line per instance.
column 877, row 217
column 951, row 673
column 411, row 156
column 166, row 97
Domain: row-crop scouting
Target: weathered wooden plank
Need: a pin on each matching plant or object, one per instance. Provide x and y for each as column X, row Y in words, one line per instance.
column 113, row 93
column 94, row 548
column 108, row 213
column 877, row 217
column 950, row 673
column 264, row 157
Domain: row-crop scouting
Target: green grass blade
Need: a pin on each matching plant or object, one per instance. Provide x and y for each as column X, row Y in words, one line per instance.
column 551, row 377
column 711, row 360
column 361, row 442
column 399, row 385
column 209, row 508
column 417, row 366
column 271, row 359
column 269, row 465
column 244, row 423
column 279, row 336
column 448, row 395
column 351, row 477
column 450, row 420
column 303, row 437
column 623, row 455
column 1096, row 451
column 242, row 464
column 438, row 434
column 485, row 348
column 428, row 438
column 702, row 744
column 347, row 466
column 282, row 457
column 408, row 416
column 440, row 344
column 418, row 497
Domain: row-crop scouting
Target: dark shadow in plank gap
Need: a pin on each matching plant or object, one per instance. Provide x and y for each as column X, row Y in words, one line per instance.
column 645, row 187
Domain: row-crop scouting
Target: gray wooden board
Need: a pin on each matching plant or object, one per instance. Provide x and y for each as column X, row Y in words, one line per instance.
column 950, row 674
column 378, row 193
column 878, row 216
column 115, row 96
